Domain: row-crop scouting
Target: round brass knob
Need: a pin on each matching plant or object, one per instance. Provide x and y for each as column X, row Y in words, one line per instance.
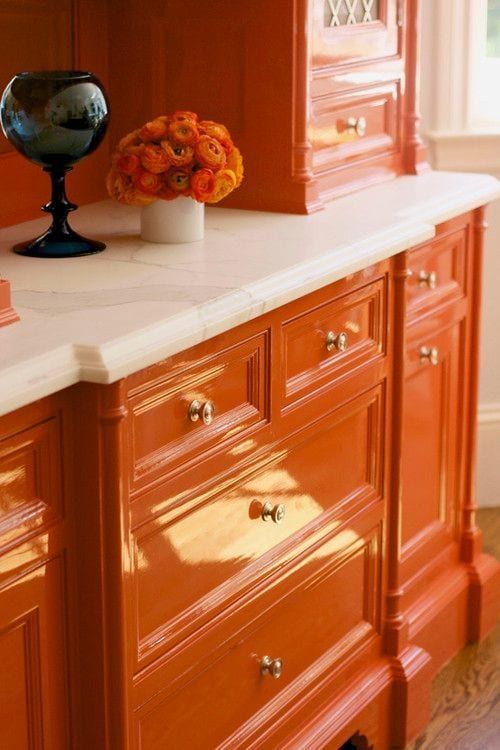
column 197, row 410
column 338, row 341
column 428, row 279
column 276, row 513
column 273, row 667
column 357, row 124
column 429, row 354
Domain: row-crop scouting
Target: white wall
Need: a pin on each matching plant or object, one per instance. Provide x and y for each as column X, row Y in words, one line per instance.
column 454, row 145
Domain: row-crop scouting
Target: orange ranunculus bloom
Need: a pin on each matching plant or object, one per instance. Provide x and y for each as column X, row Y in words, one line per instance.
column 183, row 131
column 154, row 159
column 210, row 153
column 202, row 185
column 166, row 193
column 184, row 114
column 235, row 163
column 178, row 180
column 154, row 130
column 122, row 188
column 147, row 182
column 179, row 155
column 225, row 182
column 128, row 163
column 175, row 155
column 219, row 132
column 132, row 139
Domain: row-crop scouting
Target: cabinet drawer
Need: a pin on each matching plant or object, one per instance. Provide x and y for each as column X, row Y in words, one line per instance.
column 331, row 609
column 165, row 428
column 222, row 548
column 437, row 271
column 332, row 340
column 30, row 483
column 351, row 126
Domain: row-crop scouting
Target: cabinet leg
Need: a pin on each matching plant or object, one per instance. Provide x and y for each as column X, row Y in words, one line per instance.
column 411, row 695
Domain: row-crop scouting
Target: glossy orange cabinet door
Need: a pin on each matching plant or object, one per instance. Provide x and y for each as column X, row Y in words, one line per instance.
column 430, row 441
column 33, row 689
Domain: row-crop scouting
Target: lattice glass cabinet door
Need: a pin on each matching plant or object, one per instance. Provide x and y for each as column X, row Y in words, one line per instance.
column 350, row 12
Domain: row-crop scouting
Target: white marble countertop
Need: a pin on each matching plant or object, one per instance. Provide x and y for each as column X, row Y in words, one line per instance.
column 101, row 317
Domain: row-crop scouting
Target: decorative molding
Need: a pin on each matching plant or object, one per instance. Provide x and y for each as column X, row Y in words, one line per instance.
column 465, row 151
column 488, row 466
column 489, row 414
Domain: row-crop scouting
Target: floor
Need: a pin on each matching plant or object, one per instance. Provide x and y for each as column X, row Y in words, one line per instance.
column 466, row 694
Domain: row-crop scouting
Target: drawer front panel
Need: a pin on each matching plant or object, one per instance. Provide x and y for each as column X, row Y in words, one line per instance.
column 162, row 432
column 332, row 610
column 352, row 126
column 438, row 272
column 311, row 359
column 223, row 547
column 30, row 492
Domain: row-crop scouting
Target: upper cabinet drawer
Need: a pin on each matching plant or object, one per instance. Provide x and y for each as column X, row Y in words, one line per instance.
column 198, row 406
column 353, row 125
column 332, row 340
column 437, row 271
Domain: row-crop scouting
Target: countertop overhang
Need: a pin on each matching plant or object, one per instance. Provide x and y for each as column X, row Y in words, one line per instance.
column 102, row 317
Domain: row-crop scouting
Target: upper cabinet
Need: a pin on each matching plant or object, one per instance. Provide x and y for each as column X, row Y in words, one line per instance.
column 320, row 95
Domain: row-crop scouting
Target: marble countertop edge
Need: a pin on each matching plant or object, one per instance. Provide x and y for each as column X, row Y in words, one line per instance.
column 95, row 326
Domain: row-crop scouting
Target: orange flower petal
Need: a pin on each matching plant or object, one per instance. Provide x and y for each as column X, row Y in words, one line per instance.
column 225, row 182
column 210, row 153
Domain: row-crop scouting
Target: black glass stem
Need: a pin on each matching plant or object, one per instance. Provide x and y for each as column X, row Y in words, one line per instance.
column 55, row 118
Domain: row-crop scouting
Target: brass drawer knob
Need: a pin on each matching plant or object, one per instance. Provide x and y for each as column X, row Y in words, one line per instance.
column 197, row 410
column 429, row 354
column 275, row 513
column 428, row 279
column 273, row 667
column 357, row 124
column 339, row 341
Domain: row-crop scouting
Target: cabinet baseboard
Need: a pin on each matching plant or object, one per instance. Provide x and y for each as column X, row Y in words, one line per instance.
column 488, row 465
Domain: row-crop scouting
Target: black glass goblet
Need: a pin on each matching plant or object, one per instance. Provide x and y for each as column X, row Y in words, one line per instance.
column 55, row 118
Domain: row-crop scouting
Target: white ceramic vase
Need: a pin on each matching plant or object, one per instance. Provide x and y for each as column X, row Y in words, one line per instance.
column 180, row 220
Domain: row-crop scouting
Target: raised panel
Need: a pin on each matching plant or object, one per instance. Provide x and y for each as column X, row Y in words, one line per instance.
column 431, row 442
column 33, row 680
column 334, row 142
column 219, row 546
column 308, row 364
column 235, row 380
column 330, row 612
column 30, row 482
column 437, row 272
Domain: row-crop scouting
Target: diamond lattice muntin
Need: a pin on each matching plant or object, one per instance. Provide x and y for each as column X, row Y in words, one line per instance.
column 350, row 12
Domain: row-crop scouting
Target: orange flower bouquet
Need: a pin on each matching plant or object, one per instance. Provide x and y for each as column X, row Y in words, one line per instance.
column 174, row 157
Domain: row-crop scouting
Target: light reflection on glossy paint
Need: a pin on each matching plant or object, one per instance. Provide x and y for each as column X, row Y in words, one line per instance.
column 24, row 554
column 238, row 537
column 245, row 447
column 352, row 326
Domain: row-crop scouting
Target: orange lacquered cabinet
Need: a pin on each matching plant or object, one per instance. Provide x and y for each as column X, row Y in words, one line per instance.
column 320, row 95
column 264, row 541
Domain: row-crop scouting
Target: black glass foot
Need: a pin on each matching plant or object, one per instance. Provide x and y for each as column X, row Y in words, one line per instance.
column 53, row 245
